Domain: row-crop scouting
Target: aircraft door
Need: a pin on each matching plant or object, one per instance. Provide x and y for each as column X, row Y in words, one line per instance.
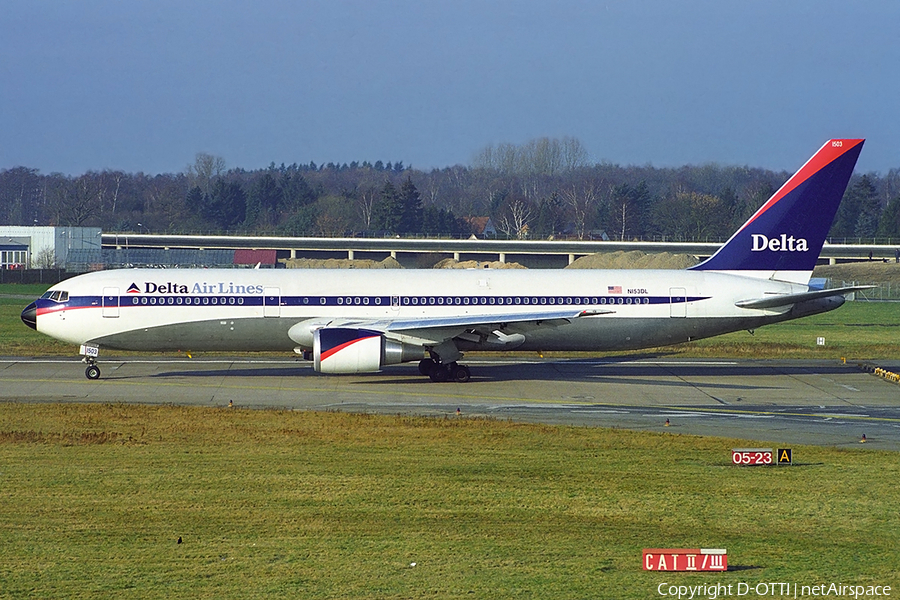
column 271, row 302
column 677, row 302
column 110, row 302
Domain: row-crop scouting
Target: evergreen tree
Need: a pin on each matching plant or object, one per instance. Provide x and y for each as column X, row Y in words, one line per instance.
column 869, row 208
column 732, row 209
column 437, row 221
column 295, row 192
column 227, row 205
column 848, row 213
column 301, row 223
column 549, row 220
column 889, row 224
column 432, row 220
column 642, row 201
column 388, row 212
column 264, row 202
column 411, row 213
column 196, row 200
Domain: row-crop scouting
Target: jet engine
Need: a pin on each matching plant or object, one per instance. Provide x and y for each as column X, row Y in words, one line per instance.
column 346, row 350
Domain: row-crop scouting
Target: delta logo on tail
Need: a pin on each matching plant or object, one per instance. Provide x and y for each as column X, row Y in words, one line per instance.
column 788, row 231
column 784, row 243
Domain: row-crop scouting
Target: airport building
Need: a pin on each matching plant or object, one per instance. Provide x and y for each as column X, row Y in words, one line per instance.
column 44, row 247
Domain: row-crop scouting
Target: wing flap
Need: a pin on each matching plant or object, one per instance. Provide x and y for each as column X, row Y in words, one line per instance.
column 542, row 317
column 437, row 329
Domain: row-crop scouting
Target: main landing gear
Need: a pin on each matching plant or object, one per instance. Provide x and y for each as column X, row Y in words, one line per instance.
column 440, row 372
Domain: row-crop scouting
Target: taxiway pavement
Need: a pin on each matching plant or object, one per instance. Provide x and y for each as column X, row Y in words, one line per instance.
column 780, row 402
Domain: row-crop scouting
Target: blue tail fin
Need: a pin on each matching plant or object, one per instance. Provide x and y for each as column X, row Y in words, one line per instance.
column 782, row 240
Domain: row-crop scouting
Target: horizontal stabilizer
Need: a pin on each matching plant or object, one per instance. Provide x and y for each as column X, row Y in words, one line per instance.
column 778, row 300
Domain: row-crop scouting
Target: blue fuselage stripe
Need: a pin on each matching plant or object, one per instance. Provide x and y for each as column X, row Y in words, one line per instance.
column 146, row 300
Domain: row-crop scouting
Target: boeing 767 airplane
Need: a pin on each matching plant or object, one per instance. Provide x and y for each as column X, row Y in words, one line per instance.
column 359, row 321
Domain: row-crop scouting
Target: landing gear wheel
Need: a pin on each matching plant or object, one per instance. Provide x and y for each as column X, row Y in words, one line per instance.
column 460, row 373
column 426, row 365
column 92, row 372
column 439, row 373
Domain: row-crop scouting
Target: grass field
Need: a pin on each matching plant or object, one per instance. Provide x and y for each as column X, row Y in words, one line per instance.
column 93, row 500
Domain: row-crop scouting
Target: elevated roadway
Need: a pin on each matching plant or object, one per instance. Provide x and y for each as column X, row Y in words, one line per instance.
column 534, row 253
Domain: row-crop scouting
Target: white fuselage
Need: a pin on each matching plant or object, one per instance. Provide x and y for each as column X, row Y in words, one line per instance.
column 246, row 310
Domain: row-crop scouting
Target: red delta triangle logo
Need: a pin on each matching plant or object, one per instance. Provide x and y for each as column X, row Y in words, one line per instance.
column 133, row 289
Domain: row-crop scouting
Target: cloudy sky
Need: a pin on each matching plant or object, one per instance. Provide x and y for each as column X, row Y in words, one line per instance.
column 144, row 86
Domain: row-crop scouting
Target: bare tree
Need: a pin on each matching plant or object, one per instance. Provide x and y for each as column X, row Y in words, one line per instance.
column 516, row 219
column 45, row 258
column 574, row 154
column 540, row 156
column 74, row 201
column 205, row 168
column 582, row 201
column 367, row 199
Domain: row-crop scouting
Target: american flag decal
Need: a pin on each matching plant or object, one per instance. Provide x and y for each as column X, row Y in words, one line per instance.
column 614, row 289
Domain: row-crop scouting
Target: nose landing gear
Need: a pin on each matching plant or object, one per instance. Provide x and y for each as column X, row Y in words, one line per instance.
column 90, row 352
column 92, row 371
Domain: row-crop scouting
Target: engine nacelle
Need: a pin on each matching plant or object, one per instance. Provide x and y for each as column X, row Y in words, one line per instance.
column 345, row 350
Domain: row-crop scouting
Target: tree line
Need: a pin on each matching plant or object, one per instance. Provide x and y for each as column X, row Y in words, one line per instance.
column 542, row 189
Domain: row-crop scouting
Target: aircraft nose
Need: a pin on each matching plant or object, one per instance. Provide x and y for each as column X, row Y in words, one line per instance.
column 29, row 315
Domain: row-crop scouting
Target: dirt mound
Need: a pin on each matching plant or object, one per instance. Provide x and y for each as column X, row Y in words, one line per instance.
column 340, row 263
column 861, row 272
column 450, row 263
column 634, row 259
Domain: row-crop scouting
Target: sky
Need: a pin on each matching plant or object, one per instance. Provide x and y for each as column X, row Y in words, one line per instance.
column 143, row 86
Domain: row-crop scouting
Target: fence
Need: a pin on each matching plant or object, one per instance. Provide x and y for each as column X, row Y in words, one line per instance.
column 883, row 291
column 47, row 276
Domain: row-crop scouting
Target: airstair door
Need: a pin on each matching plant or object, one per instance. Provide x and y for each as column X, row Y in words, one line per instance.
column 271, row 302
column 110, row 302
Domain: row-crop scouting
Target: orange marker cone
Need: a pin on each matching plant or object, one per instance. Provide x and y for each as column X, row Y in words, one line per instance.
column 863, row 440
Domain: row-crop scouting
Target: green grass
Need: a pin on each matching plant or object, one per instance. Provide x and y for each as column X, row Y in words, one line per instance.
column 858, row 330
column 15, row 338
column 318, row 505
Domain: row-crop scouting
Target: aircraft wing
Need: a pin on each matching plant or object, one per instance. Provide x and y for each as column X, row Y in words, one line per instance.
column 437, row 329
column 777, row 300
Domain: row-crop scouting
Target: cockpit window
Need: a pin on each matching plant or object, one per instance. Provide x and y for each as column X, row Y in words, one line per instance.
column 46, row 295
column 64, row 296
column 58, row 296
